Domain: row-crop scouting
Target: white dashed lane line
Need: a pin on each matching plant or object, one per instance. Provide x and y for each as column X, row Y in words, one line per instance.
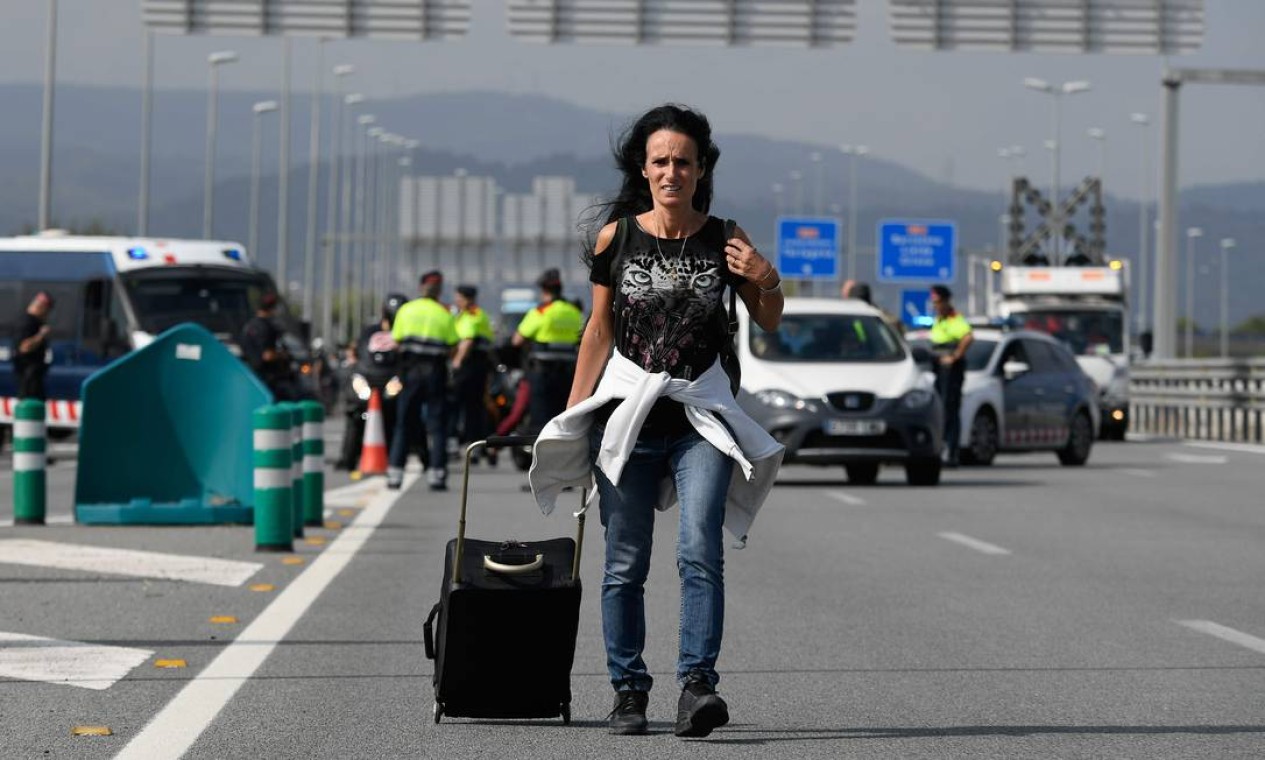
column 1137, row 472
column 1225, row 634
column 1242, row 448
column 846, row 498
column 982, row 547
column 1197, row 459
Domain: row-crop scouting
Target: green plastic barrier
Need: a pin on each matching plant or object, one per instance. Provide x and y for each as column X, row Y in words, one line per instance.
column 30, row 481
column 313, row 463
column 165, row 437
column 274, row 512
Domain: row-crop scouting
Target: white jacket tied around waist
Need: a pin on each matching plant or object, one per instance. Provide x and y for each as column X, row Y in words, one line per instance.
column 562, row 457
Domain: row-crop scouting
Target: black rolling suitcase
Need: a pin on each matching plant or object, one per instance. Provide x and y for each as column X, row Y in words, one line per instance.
column 503, row 633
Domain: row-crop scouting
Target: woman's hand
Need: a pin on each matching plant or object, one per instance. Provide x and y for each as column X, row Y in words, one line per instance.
column 746, row 262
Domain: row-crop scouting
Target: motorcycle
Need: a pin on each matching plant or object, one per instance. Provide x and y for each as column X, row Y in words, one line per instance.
column 360, row 386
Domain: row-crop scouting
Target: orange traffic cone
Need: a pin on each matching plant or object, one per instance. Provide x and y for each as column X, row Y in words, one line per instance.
column 373, row 450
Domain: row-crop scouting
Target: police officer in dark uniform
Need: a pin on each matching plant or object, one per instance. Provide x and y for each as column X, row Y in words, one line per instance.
column 553, row 330
column 30, row 347
column 950, row 337
column 262, row 351
column 426, row 333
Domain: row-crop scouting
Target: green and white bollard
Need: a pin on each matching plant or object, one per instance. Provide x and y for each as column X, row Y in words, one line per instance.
column 313, row 463
column 296, row 465
column 274, row 487
column 30, row 481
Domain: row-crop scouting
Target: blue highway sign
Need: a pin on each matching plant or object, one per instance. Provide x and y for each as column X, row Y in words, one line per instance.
column 808, row 247
column 915, row 307
column 916, row 250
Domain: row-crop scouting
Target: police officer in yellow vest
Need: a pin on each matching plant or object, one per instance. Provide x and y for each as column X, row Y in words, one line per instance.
column 471, row 365
column 553, row 328
column 950, row 337
column 426, row 333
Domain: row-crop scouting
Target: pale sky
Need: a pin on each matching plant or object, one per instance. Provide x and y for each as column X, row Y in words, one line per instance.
column 944, row 114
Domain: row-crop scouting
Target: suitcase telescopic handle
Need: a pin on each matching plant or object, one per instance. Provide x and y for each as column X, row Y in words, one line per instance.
column 504, row 569
column 505, row 441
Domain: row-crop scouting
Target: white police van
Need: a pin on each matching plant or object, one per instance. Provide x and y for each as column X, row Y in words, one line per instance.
column 115, row 294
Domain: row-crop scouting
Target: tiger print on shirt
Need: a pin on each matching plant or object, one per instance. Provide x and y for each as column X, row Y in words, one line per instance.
column 667, row 300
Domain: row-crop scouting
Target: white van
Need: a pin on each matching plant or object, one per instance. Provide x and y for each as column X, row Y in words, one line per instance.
column 837, row 385
column 115, row 294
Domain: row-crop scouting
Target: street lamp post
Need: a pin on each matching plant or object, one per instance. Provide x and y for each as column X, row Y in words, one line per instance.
column 260, row 108
column 346, row 207
column 1056, row 210
column 1100, row 136
column 370, row 221
column 1192, row 234
column 331, row 205
column 313, row 186
column 819, row 181
column 358, row 225
column 283, row 174
column 46, row 139
column 214, row 61
column 1226, row 245
column 853, row 152
column 147, row 120
column 1144, row 200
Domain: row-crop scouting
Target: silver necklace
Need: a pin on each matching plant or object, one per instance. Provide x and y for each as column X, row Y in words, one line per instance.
column 656, row 240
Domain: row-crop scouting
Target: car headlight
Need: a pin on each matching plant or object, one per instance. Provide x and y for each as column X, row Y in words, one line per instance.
column 394, row 386
column 360, row 387
column 916, row 399
column 784, row 400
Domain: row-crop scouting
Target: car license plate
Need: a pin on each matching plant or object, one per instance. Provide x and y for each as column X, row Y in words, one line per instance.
column 854, row 427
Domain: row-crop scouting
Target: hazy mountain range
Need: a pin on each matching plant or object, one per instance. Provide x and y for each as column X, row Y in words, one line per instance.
column 513, row 138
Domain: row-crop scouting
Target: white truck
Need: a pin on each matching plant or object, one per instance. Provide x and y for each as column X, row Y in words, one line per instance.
column 1087, row 309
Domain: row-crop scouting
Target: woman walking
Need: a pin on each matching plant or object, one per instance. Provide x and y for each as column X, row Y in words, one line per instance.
column 662, row 425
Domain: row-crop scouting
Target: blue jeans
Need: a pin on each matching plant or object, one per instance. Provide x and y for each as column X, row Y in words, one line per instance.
column 701, row 473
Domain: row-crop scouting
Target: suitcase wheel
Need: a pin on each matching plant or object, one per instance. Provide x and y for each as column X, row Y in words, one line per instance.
column 438, row 710
column 566, row 713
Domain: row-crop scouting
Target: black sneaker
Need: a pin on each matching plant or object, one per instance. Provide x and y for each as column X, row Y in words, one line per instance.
column 700, row 710
column 629, row 715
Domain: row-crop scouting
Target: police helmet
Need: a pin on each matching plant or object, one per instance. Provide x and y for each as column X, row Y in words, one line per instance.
column 392, row 305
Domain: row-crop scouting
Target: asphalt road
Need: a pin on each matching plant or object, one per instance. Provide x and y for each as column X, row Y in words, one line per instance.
column 1024, row 610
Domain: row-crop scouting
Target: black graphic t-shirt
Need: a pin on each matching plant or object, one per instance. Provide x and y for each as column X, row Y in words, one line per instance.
column 669, row 311
column 668, row 304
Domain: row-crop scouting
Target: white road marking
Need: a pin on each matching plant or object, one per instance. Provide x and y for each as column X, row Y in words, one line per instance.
column 72, row 663
column 1226, row 634
column 1137, row 472
column 139, row 564
column 1246, row 448
column 974, row 543
column 846, row 498
column 171, row 732
column 1197, row 459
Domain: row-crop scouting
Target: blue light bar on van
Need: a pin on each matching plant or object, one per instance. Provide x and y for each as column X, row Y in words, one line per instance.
column 137, row 254
column 233, row 253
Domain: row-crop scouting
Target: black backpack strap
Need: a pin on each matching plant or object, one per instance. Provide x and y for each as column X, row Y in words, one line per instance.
column 730, row 227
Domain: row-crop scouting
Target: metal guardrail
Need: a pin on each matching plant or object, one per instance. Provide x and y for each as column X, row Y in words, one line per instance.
column 1207, row 399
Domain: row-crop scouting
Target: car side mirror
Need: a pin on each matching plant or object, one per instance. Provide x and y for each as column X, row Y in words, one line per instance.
column 1013, row 369
column 921, row 355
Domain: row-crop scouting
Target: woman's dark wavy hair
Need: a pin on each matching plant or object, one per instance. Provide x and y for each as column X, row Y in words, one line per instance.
column 630, row 158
